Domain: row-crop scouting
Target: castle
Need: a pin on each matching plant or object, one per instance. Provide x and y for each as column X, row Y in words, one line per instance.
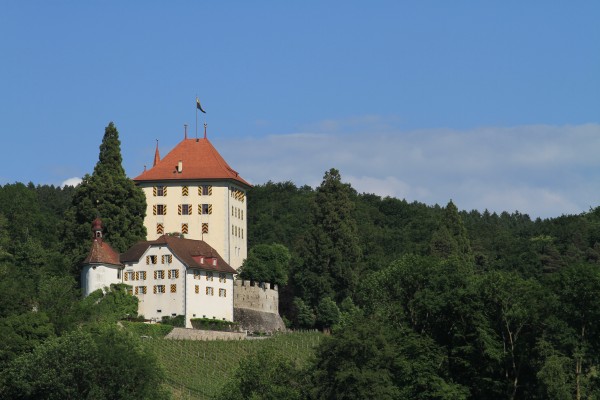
column 196, row 221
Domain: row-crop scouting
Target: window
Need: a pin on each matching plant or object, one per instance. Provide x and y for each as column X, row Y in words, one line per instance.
column 209, row 276
column 184, row 229
column 205, row 190
column 160, row 191
column 184, row 190
column 166, row 259
column 222, row 292
column 209, row 291
column 205, row 228
column 140, row 290
column 237, row 194
column 128, row 276
column 173, row 288
column 160, row 229
column 197, row 289
column 173, row 273
column 151, row 260
column 196, row 274
column 159, row 209
column 205, row 209
column 184, row 209
column 222, row 277
column 159, row 289
column 143, row 275
column 159, row 274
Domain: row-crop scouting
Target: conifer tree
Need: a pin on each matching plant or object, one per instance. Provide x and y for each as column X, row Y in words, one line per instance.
column 451, row 237
column 107, row 194
column 331, row 254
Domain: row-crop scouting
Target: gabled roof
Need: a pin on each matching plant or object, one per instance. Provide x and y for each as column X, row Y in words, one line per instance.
column 102, row 253
column 199, row 161
column 189, row 251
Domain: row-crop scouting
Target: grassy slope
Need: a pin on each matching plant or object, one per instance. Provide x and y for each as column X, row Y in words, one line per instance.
column 198, row 369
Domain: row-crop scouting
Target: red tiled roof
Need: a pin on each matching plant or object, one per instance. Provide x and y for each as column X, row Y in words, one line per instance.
column 102, row 253
column 187, row 250
column 200, row 160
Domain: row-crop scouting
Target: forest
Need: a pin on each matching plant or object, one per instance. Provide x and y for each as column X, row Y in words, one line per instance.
column 420, row 301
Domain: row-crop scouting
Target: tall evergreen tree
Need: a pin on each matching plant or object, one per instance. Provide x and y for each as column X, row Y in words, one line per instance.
column 331, row 255
column 451, row 238
column 107, row 194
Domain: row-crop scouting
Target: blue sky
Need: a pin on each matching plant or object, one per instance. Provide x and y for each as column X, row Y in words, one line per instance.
column 491, row 104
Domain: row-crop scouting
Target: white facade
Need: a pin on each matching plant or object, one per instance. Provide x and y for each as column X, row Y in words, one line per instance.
column 166, row 287
column 99, row 276
column 212, row 211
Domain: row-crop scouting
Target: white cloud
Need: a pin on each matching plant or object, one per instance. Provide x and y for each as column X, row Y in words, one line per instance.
column 540, row 170
column 71, row 182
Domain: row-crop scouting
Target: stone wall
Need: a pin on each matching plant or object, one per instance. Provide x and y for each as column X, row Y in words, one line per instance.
column 256, row 306
column 258, row 321
column 256, row 296
column 197, row 334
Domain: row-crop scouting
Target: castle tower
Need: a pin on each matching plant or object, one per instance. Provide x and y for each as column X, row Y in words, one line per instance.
column 193, row 191
column 102, row 266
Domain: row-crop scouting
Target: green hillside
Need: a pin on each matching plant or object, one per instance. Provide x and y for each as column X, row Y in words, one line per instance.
column 199, row 369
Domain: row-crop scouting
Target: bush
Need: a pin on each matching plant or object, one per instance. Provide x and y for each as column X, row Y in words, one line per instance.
column 178, row 321
column 152, row 330
column 215, row 325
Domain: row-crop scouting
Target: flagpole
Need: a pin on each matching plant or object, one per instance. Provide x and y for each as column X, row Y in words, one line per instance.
column 196, row 118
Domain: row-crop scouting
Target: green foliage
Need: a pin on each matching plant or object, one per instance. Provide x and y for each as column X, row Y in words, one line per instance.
column 277, row 213
column 267, row 263
column 304, row 317
column 451, row 238
column 573, row 331
column 149, row 330
column 265, row 376
column 202, row 369
column 371, row 360
column 214, row 325
column 109, row 364
column 328, row 313
column 22, row 333
column 178, row 321
column 57, row 297
column 112, row 306
column 109, row 194
column 331, row 255
column 16, row 295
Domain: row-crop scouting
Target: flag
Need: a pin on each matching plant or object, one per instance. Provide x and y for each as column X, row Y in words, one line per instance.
column 198, row 106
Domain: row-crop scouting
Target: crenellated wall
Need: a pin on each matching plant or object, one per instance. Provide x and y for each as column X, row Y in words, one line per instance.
column 256, row 296
column 256, row 306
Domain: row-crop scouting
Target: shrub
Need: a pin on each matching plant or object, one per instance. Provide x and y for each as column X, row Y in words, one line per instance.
column 152, row 330
column 215, row 325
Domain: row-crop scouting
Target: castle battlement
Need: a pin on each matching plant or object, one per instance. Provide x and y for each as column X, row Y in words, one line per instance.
column 258, row 296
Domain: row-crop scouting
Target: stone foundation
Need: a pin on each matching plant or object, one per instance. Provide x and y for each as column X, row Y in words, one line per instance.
column 197, row 334
column 258, row 321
